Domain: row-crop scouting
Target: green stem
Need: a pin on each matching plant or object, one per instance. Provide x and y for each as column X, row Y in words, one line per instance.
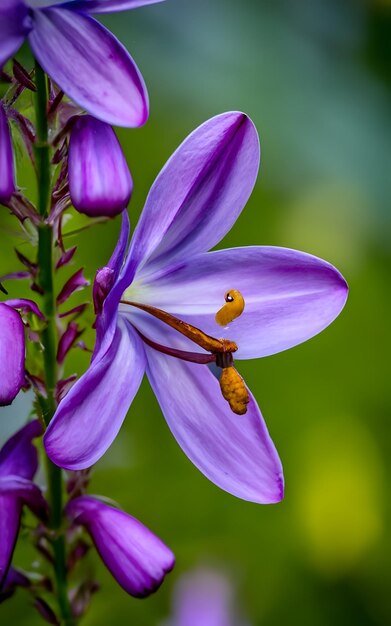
column 42, row 151
column 49, row 339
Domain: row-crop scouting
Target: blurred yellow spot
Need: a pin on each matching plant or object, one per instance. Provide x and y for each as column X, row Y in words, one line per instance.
column 340, row 503
column 233, row 307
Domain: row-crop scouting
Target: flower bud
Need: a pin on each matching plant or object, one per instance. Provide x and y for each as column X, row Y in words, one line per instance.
column 12, row 352
column 7, row 178
column 100, row 183
column 137, row 559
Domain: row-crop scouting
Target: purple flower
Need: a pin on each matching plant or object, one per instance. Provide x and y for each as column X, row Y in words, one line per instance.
column 7, row 176
column 204, row 597
column 87, row 62
column 289, row 297
column 18, row 464
column 12, row 345
column 136, row 558
column 99, row 179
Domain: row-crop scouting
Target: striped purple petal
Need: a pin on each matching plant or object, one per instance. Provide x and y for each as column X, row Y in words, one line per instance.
column 199, row 193
column 89, row 417
column 108, row 6
column 234, row 451
column 290, row 296
column 14, row 26
column 90, row 65
column 136, row 558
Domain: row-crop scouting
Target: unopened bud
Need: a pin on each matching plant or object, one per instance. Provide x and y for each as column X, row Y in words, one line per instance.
column 100, row 183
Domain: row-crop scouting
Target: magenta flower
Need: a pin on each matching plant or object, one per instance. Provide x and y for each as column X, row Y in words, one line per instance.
column 136, row 558
column 99, row 178
column 289, row 297
column 87, row 62
column 7, row 174
column 12, row 345
column 18, row 464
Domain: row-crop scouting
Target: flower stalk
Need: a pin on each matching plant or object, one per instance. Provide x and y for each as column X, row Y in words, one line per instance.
column 45, row 263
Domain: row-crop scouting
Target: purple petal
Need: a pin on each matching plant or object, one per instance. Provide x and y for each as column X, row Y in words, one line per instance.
column 233, row 451
column 27, row 306
column 137, row 559
column 75, row 283
column 109, row 6
column 18, row 456
column 7, row 175
column 117, row 258
column 199, row 194
column 26, row 492
column 12, row 343
column 10, row 508
column 14, row 26
column 90, row 65
column 289, row 296
column 99, row 178
column 89, row 417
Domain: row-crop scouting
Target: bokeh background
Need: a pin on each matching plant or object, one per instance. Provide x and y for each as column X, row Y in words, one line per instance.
column 315, row 77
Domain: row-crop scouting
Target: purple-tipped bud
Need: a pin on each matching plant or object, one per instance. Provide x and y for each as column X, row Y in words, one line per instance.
column 7, row 177
column 137, row 559
column 12, row 353
column 100, row 183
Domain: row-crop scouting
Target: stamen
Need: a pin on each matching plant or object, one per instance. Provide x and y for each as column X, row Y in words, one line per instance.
column 191, row 357
column 234, row 390
column 208, row 343
column 231, row 383
column 233, row 308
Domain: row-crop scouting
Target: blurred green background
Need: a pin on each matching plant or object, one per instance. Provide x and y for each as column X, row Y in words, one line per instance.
column 315, row 77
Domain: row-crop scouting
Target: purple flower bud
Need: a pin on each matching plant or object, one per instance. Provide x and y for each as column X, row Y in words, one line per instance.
column 103, row 282
column 100, row 183
column 12, row 353
column 7, row 178
column 137, row 559
column 18, row 464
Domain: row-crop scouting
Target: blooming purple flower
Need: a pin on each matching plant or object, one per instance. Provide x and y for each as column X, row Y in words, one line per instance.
column 12, row 345
column 7, row 176
column 18, row 464
column 99, row 179
column 136, row 558
column 289, row 297
column 87, row 62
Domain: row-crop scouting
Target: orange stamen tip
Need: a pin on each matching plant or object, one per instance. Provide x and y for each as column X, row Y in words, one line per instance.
column 234, row 390
column 233, row 307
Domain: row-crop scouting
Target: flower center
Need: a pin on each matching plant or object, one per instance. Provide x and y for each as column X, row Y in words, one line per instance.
column 220, row 350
